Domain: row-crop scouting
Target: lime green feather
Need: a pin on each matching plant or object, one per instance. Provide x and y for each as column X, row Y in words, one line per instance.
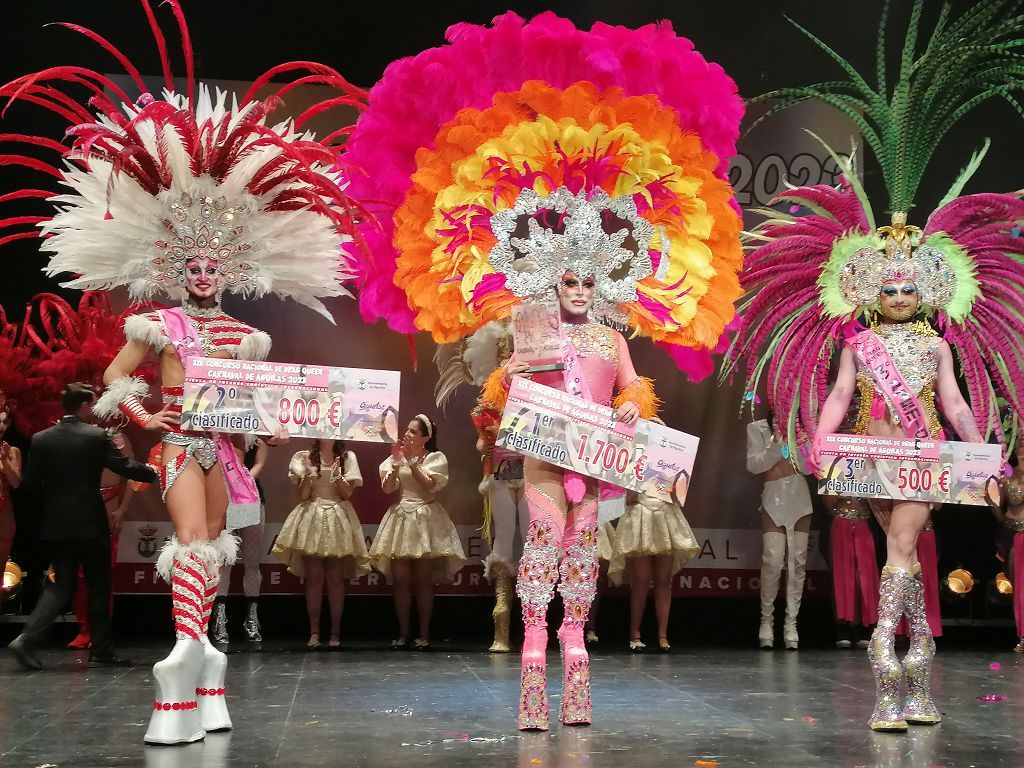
column 941, row 77
column 965, row 175
column 962, row 266
column 844, row 247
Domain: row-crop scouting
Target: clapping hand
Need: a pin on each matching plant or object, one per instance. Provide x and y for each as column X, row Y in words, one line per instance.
column 397, row 454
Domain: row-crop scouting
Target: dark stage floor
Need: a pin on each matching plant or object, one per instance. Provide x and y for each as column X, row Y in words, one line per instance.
column 454, row 707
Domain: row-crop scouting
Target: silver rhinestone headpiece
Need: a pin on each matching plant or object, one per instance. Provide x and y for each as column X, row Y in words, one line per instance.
column 544, row 236
column 868, row 270
column 202, row 227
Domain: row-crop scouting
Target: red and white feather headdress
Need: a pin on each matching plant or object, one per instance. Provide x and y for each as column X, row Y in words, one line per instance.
column 150, row 182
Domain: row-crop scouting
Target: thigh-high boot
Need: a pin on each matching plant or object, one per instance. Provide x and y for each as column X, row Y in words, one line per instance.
column 175, row 718
column 773, row 552
column 535, row 586
column 213, row 709
column 577, row 585
column 917, row 664
column 888, row 713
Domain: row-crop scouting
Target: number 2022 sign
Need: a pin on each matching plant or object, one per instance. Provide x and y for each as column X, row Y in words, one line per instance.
column 252, row 397
column 585, row 437
column 942, row 472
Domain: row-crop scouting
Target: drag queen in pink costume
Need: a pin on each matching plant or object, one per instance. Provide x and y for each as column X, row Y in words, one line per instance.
column 561, row 542
column 190, row 195
column 548, row 162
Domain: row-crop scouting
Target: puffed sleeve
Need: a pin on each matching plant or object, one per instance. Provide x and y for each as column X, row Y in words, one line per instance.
column 297, row 467
column 762, row 452
column 387, row 468
column 352, row 474
column 435, row 466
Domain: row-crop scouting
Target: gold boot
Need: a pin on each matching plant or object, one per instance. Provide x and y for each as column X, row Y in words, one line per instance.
column 502, row 607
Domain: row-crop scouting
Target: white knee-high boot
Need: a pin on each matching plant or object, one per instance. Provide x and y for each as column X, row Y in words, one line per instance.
column 773, row 552
column 796, row 565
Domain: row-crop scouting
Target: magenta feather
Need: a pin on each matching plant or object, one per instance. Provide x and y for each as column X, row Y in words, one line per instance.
column 418, row 95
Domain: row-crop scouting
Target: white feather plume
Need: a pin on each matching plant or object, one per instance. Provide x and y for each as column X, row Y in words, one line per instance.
column 106, row 233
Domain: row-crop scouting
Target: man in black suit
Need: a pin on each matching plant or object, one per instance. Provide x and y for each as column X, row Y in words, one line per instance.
column 65, row 466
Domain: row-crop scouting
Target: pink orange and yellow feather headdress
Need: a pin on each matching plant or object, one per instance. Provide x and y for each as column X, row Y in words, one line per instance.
column 521, row 150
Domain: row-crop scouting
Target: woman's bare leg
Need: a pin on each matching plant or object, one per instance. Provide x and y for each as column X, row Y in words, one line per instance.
column 314, row 567
column 663, row 593
column 424, row 575
column 401, row 576
column 641, row 570
column 335, row 578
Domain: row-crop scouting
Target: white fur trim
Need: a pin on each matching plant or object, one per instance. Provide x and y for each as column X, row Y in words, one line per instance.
column 172, row 550
column 117, row 391
column 492, row 560
column 485, row 485
column 227, row 546
column 255, row 346
column 147, row 329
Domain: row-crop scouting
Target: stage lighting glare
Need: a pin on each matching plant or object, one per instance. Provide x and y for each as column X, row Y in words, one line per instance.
column 12, row 580
column 1003, row 584
column 960, row 581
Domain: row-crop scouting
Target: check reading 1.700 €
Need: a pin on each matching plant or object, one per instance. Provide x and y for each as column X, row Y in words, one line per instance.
column 585, row 437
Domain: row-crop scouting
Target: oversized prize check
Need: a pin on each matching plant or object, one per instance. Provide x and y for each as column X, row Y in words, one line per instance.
column 585, row 437
column 942, row 472
column 251, row 397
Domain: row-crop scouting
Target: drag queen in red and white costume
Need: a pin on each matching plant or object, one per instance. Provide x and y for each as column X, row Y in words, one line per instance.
column 190, row 195
column 556, row 163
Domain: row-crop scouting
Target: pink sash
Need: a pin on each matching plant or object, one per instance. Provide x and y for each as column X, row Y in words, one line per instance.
column 876, row 358
column 242, row 493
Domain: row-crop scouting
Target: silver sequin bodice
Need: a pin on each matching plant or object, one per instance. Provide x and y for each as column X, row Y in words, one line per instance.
column 914, row 352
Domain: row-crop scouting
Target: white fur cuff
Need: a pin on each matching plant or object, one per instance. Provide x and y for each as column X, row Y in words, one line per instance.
column 117, row 391
column 146, row 329
column 255, row 346
column 226, row 546
column 174, row 550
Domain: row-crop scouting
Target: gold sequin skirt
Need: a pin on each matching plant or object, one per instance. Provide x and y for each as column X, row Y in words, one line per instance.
column 323, row 528
column 646, row 531
column 423, row 531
